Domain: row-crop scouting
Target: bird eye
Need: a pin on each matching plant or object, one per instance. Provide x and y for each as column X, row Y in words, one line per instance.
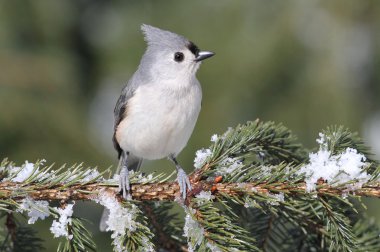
column 178, row 56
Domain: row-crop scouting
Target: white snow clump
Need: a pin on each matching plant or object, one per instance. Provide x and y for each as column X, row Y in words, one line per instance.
column 22, row 172
column 192, row 230
column 200, row 157
column 119, row 219
column 204, row 196
column 214, row 138
column 36, row 209
column 90, row 175
column 59, row 228
column 229, row 165
column 340, row 168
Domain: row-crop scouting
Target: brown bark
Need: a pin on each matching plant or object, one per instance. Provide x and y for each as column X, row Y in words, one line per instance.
column 167, row 191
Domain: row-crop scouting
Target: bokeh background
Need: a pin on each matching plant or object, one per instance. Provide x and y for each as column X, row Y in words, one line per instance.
column 308, row 64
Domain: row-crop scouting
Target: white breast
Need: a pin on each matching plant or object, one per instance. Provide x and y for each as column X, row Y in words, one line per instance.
column 159, row 121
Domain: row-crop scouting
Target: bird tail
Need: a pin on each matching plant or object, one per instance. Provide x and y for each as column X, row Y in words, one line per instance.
column 134, row 164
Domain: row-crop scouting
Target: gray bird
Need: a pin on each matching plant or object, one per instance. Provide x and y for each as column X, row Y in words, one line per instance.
column 158, row 108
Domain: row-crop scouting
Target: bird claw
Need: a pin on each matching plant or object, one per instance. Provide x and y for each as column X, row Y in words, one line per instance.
column 183, row 182
column 124, row 185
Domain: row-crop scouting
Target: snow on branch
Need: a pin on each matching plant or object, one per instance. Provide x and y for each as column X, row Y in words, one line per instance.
column 256, row 166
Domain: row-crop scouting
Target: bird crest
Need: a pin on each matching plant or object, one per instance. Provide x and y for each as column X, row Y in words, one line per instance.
column 157, row 37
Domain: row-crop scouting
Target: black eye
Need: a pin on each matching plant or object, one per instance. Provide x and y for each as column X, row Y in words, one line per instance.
column 178, row 56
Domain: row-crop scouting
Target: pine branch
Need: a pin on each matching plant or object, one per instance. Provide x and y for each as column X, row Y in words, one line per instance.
column 288, row 198
column 368, row 235
column 166, row 226
column 18, row 237
column 81, row 238
column 169, row 191
column 207, row 227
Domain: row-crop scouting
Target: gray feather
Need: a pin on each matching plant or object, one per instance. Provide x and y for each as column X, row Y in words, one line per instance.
column 126, row 93
column 119, row 111
column 165, row 39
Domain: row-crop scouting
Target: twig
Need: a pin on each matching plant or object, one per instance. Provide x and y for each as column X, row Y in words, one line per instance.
column 169, row 191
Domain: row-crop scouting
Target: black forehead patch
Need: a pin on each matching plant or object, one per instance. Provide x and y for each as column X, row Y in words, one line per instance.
column 193, row 48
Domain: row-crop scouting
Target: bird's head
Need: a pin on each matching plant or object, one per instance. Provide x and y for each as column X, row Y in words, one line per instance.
column 170, row 55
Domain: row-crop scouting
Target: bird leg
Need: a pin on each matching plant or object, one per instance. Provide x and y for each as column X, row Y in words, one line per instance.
column 182, row 178
column 124, row 185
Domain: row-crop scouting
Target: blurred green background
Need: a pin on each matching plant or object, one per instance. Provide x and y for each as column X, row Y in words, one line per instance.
column 308, row 64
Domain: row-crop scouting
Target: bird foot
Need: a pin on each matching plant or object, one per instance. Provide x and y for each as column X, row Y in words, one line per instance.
column 124, row 185
column 183, row 182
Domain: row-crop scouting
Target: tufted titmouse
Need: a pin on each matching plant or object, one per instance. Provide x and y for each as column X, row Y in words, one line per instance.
column 158, row 108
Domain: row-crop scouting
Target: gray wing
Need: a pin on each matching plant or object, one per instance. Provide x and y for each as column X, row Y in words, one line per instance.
column 119, row 111
column 126, row 93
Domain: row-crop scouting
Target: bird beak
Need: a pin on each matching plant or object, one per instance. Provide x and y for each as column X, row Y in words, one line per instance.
column 203, row 55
